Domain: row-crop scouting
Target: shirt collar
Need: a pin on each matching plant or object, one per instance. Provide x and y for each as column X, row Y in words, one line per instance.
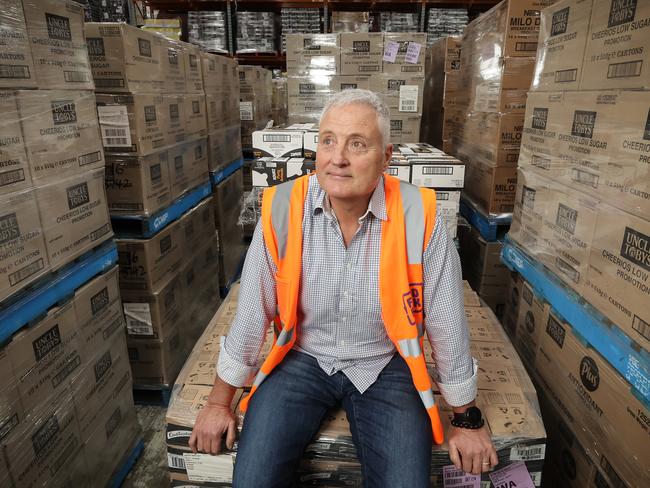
column 376, row 206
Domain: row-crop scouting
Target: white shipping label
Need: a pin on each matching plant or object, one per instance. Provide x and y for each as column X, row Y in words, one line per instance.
column 208, row 468
column 138, row 318
column 175, row 461
column 246, row 110
column 528, row 453
column 114, row 125
column 536, row 477
column 456, row 478
column 408, row 98
column 390, row 51
column 413, row 52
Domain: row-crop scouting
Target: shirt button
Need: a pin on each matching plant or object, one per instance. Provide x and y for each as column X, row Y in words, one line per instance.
column 345, row 293
column 343, row 319
column 342, row 343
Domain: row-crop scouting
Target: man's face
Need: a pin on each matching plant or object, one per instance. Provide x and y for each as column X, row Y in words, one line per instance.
column 350, row 157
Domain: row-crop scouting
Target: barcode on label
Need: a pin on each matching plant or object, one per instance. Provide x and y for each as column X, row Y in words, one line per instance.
column 407, row 106
column 566, row 76
column 76, row 76
column 116, row 141
column 584, row 177
column 437, row 170
column 110, row 132
column 90, row 158
column 526, row 46
column 276, row 138
column 14, row 176
column 411, row 69
column 540, row 162
column 624, row 70
column 14, row 72
column 531, row 453
column 109, row 82
column 26, row 272
column 136, row 327
column 641, row 326
column 102, row 231
column 175, row 461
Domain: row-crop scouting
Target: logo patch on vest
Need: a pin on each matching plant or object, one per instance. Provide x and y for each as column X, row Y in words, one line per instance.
column 412, row 301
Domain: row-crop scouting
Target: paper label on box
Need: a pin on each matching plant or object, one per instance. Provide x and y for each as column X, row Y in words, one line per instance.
column 456, row 478
column 536, row 477
column 413, row 53
column 175, row 461
column 208, row 468
column 246, row 110
column 114, row 125
column 528, row 453
column 513, row 476
column 138, row 318
column 390, row 51
column 408, row 98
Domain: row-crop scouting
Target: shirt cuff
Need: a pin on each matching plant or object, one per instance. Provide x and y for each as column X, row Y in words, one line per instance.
column 232, row 371
column 459, row 394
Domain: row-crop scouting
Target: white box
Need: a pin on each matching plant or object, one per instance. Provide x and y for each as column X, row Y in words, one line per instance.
column 441, row 173
column 277, row 143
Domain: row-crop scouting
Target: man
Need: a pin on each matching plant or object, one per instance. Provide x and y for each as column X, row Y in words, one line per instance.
column 353, row 267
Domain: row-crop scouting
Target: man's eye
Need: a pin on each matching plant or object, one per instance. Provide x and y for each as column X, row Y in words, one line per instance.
column 358, row 144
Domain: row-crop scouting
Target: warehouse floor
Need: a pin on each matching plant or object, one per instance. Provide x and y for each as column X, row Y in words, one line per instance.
column 151, row 469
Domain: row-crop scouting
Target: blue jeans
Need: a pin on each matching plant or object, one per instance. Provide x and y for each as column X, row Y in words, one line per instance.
column 389, row 425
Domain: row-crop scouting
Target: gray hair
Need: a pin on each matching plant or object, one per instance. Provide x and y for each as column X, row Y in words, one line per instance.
column 366, row 97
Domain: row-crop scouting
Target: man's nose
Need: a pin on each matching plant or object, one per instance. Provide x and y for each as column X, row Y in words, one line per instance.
column 339, row 156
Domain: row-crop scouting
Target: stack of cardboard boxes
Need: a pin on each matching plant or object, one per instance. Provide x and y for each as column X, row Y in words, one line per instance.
column 66, row 409
column 443, row 111
column 390, row 64
column 582, row 210
column 255, row 101
column 506, row 396
column 497, row 62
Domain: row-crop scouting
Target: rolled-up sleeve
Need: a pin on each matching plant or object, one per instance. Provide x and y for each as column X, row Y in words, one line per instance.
column 240, row 349
column 445, row 319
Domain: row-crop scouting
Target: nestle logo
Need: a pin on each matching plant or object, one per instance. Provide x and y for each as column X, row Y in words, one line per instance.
column 621, row 12
column 99, row 301
column 150, row 113
column 361, row 46
column 566, row 218
column 172, row 56
column 63, row 112
column 347, row 86
column 196, row 108
column 396, row 125
column 646, row 133
column 95, row 46
column 193, row 61
column 102, row 365
column 155, row 173
column 45, row 434
column 46, row 342
column 144, row 46
column 173, row 111
column 559, row 22
column 58, row 27
column 403, row 47
column 393, row 85
column 178, row 163
column 555, row 330
column 583, row 124
column 77, row 195
column 528, row 197
column 589, row 373
column 529, row 322
column 636, row 247
column 540, row 117
column 307, row 88
column 9, row 229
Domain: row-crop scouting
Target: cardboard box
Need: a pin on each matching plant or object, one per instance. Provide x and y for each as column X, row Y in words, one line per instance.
column 47, row 356
column 193, row 71
column 277, row 143
column 134, row 124
column 401, row 93
column 75, row 215
column 618, row 283
column 216, row 106
column 11, row 407
column 124, row 59
column 492, row 138
column 310, row 143
column 173, row 65
column 531, row 322
column 400, row 168
column 307, row 96
column 195, row 116
column 440, row 173
column 56, row 34
column 61, row 133
column 416, row 42
column 447, row 207
column 17, row 69
column 138, row 185
column 599, row 401
column 14, row 167
column 99, row 310
column 616, row 42
column 214, row 70
column 188, row 166
column 269, row 171
column 53, row 455
column 361, row 52
column 447, row 51
column 316, row 54
column 481, row 263
column 224, row 147
column 146, row 263
column 493, row 189
column 198, row 225
column 297, row 167
column 22, row 248
column 562, row 42
column 156, row 362
column 174, row 107
column 512, row 305
column 404, row 128
column 343, row 82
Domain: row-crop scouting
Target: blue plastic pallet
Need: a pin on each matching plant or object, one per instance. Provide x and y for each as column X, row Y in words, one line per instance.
column 127, row 465
column 630, row 360
column 54, row 288
column 491, row 227
column 217, row 177
column 138, row 226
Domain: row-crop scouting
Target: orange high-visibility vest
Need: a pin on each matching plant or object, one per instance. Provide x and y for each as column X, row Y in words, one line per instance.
column 404, row 236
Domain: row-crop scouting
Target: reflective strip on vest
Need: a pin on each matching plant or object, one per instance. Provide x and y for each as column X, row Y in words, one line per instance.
column 280, row 215
column 259, row 377
column 413, row 221
column 410, row 347
column 427, row 398
column 285, row 337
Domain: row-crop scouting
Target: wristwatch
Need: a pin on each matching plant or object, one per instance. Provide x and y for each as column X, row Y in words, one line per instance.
column 469, row 419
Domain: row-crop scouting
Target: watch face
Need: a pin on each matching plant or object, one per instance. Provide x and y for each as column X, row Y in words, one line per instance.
column 474, row 415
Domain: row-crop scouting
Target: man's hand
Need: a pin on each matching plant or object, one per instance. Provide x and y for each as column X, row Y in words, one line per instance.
column 472, row 450
column 212, row 422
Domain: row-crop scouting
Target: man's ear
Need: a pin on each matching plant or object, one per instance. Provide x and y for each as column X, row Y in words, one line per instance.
column 388, row 154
